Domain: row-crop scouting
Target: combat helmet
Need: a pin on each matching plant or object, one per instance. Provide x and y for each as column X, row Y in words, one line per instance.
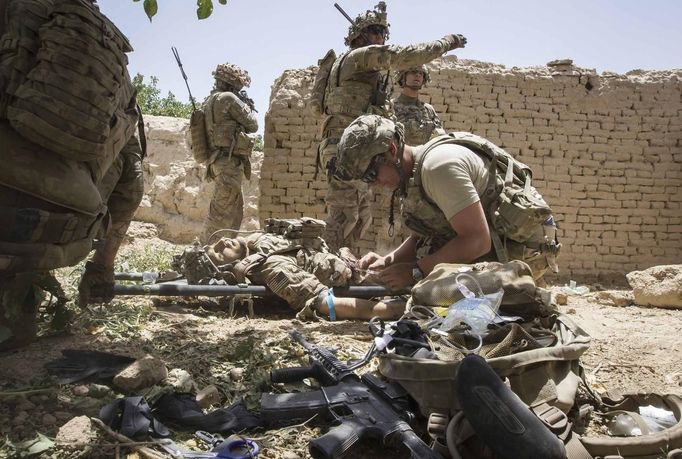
column 232, row 75
column 366, row 137
column 368, row 18
column 400, row 76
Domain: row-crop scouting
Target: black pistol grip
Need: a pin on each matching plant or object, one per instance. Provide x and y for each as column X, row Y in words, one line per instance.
column 336, row 442
column 293, row 374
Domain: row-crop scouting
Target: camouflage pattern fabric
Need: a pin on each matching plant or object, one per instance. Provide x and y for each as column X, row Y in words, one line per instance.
column 377, row 16
column 227, row 204
column 232, row 75
column 419, row 118
column 123, row 185
column 299, row 270
column 19, row 299
column 228, row 120
column 348, row 209
column 422, row 216
column 354, row 88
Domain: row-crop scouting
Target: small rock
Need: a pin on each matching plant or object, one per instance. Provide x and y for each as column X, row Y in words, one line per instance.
column 571, row 311
column 99, row 391
column 236, row 374
column 208, row 396
column 80, row 391
column 561, row 298
column 78, row 430
column 88, row 406
column 142, row 373
column 290, row 455
column 181, row 380
column 49, row 420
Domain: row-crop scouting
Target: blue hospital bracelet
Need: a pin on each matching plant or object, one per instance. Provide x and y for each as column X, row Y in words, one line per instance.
column 330, row 303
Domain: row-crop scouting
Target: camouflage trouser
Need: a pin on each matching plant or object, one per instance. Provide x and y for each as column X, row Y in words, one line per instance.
column 122, row 187
column 19, row 299
column 348, row 209
column 300, row 278
column 540, row 252
column 227, row 204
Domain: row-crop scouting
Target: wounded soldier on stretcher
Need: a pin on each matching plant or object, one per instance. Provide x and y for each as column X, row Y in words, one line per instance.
column 298, row 270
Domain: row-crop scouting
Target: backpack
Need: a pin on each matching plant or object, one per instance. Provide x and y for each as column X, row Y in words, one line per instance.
column 316, row 101
column 74, row 95
column 198, row 136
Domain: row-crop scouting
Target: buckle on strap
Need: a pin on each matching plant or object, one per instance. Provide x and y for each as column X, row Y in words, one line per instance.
column 555, row 419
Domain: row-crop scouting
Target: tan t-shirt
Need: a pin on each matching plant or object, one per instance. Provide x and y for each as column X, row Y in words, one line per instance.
column 453, row 177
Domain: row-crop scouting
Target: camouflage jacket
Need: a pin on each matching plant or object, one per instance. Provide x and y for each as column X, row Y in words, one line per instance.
column 229, row 120
column 355, row 85
column 419, row 118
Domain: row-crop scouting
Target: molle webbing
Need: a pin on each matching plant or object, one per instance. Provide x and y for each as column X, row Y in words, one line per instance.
column 76, row 99
column 37, row 225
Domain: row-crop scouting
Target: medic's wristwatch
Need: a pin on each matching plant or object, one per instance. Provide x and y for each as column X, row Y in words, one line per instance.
column 417, row 273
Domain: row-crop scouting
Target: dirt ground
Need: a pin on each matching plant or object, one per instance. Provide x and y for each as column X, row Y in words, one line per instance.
column 633, row 349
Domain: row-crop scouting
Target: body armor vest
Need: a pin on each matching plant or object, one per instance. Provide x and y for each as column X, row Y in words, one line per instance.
column 345, row 100
column 513, row 209
column 419, row 118
column 221, row 130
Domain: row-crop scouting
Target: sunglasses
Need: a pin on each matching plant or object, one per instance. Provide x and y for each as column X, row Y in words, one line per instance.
column 376, row 29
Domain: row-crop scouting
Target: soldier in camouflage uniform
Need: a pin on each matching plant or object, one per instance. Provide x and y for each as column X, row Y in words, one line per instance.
column 356, row 86
column 450, row 189
column 66, row 178
column 299, row 271
column 228, row 122
column 419, row 118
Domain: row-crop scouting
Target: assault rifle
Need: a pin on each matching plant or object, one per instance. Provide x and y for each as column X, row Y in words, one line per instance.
column 247, row 100
column 364, row 406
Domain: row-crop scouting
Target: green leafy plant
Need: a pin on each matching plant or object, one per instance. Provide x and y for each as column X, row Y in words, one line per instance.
column 204, row 7
column 151, row 102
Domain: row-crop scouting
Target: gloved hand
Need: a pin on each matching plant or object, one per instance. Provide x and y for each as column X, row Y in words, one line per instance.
column 456, row 41
column 96, row 284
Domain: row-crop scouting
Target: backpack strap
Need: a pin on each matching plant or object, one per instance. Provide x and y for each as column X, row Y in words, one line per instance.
column 242, row 268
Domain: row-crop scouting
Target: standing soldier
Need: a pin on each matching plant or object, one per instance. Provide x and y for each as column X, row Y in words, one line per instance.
column 419, row 118
column 228, row 121
column 355, row 85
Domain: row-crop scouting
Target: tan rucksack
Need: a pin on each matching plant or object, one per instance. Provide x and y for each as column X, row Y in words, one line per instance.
column 198, row 136
column 72, row 94
column 316, row 102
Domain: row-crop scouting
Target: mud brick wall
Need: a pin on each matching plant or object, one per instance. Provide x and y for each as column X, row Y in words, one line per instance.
column 605, row 149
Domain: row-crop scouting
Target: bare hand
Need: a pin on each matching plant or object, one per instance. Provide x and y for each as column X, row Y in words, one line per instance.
column 397, row 275
column 372, row 260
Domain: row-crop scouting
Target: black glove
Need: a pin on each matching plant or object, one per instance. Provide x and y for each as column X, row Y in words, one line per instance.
column 96, row 284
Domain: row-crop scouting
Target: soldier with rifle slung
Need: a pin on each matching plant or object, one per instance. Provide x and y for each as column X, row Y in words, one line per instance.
column 229, row 118
column 355, row 85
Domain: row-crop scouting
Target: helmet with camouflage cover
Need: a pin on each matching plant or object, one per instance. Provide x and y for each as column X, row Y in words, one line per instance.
column 400, row 76
column 232, row 75
column 366, row 137
column 368, row 18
